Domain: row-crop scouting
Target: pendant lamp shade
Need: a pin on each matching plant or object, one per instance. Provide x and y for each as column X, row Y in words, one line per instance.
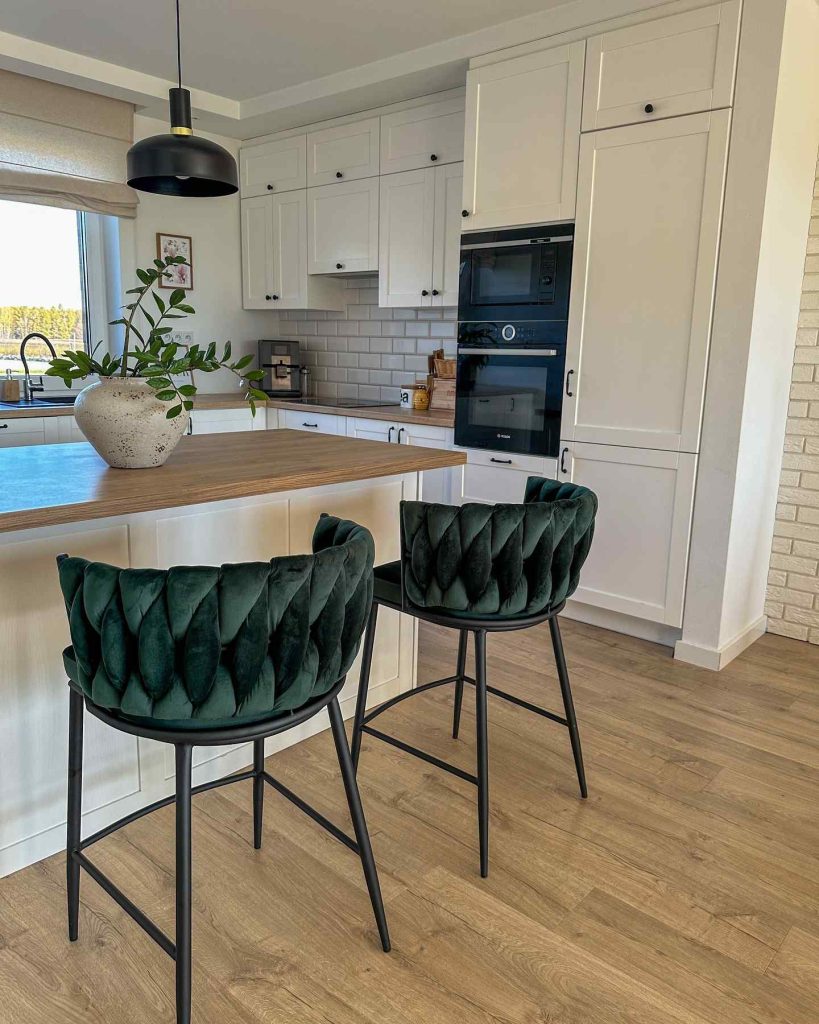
column 179, row 164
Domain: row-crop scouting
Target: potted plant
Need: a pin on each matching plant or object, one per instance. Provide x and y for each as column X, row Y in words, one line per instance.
column 138, row 410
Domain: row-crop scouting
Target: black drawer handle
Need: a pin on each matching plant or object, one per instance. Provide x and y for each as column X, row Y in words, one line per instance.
column 569, row 394
column 563, row 461
column 313, row 426
column 502, row 462
column 649, row 108
column 339, row 174
column 269, row 188
column 339, row 266
column 4, row 426
column 433, row 157
column 400, row 432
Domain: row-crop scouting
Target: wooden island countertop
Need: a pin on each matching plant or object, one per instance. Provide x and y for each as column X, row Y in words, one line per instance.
column 50, row 485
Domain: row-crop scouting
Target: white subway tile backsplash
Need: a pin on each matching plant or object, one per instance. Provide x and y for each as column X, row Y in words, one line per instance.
column 417, row 330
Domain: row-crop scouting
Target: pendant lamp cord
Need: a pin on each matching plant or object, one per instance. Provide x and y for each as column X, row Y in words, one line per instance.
column 178, row 47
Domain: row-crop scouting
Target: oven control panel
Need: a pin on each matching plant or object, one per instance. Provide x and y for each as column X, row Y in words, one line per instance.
column 522, row 333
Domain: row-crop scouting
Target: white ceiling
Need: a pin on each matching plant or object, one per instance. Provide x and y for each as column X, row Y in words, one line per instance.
column 248, row 48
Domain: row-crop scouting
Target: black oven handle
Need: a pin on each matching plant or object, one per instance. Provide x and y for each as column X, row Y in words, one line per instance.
column 519, row 243
column 539, row 353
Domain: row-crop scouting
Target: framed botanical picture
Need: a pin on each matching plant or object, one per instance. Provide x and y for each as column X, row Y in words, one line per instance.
column 181, row 276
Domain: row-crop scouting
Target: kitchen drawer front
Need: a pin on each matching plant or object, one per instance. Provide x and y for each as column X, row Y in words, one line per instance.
column 223, row 421
column 342, row 227
column 502, row 480
column 314, row 422
column 423, row 136
column 682, row 64
column 537, row 465
column 345, row 153
column 23, row 430
column 279, row 166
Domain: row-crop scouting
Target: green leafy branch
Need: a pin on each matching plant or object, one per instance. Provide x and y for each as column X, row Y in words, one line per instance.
column 156, row 358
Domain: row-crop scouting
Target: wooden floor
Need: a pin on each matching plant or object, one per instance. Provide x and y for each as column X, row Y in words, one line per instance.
column 686, row 889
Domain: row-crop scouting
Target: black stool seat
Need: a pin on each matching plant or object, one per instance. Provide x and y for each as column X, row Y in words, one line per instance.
column 481, row 569
column 205, row 655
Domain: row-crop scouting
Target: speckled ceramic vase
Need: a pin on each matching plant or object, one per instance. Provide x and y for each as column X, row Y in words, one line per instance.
column 127, row 424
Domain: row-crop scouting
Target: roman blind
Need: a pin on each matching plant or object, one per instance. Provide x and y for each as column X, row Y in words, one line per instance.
column 64, row 147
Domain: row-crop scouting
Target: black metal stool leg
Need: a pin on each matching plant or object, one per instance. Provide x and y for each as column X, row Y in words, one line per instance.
column 359, row 823
column 568, row 703
column 183, row 883
column 459, row 683
column 258, row 792
column 76, row 709
column 363, row 684
column 483, row 749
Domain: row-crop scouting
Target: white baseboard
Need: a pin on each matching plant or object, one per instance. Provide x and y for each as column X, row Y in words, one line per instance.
column 655, row 632
column 716, row 658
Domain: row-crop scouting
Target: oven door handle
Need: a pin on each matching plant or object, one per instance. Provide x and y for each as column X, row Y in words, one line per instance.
column 518, row 243
column 538, row 353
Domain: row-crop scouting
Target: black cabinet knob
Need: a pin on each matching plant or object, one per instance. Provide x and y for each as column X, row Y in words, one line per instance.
column 433, row 157
column 269, row 188
column 275, row 298
column 464, row 213
column 649, row 108
column 268, row 297
column 435, row 291
column 424, row 291
column 339, row 174
column 339, row 266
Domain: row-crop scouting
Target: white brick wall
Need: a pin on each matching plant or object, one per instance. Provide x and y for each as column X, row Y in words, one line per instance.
column 368, row 352
column 793, row 581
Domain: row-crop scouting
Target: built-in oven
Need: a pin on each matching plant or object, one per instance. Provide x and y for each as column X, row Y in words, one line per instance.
column 509, row 388
column 516, row 274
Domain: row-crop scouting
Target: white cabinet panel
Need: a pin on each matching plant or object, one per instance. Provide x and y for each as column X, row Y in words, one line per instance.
column 226, row 421
column 316, row 422
column 277, row 166
column 371, row 430
column 346, row 152
column 406, row 223
column 257, row 253
column 676, row 65
column 645, row 257
column 446, row 253
column 490, row 477
column 342, row 223
column 522, row 135
column 422, row 136
column 15, row 432
column 639, row 555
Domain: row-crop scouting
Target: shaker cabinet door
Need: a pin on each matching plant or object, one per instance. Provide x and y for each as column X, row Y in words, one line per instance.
column 677, row 65
column 343, row 153
column 342, row 227
column 446, row 251
column 639, row 555
column 257, row 253
column 272, row 167
column 406, row 220
column 522, row 136
column 423, row 136
column 643, row 277
column 290, row 250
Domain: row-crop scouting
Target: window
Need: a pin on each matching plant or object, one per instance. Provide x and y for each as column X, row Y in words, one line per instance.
column 43, row 283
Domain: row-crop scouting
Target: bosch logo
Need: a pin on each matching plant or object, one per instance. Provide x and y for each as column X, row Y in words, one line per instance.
column 506, row 437
column 508, row 332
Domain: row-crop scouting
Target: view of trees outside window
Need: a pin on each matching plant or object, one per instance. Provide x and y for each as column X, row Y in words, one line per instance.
column 41, row 282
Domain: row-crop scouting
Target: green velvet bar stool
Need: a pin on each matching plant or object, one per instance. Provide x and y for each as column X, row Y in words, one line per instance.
column 201, row 655
column 482, row 569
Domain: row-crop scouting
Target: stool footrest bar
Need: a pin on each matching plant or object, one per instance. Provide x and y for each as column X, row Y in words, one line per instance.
column 424, row 756
column 403, row 696
column 130, row 908
column 523, row 703
column 311, row 812
column 157, row 804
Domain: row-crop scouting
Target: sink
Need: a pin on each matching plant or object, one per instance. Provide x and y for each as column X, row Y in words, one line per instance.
column 54, row 400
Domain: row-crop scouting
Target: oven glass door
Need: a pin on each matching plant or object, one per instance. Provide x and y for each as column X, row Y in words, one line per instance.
column 509, row 400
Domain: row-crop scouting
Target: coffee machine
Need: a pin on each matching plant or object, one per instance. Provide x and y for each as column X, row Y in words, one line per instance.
column 281, row 363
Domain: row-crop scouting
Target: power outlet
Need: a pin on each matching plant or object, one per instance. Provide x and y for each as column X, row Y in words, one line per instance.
column 182, row 337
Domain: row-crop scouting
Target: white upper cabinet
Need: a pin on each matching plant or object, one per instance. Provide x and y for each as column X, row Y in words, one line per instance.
column 676, row 65
column 637, row 563
column 419, row 237
column 645, row 258
column 422, row 136
column 278, row 166
column 407, row 219
column 274, row 257
column 522, row 137
column 342, row 223
column 344, row 153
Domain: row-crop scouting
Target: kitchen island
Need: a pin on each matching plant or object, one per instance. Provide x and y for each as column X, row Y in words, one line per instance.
column 219, row 498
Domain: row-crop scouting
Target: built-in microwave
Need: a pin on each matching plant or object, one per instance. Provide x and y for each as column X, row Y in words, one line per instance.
column 516, row 274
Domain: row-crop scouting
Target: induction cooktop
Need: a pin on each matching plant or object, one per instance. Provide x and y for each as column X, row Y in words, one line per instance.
column 338, row 403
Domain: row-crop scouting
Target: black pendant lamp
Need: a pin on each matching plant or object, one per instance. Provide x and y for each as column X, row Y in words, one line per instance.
column 180, row 164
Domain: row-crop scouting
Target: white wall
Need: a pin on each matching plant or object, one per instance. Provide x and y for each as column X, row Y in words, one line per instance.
column 213, row 225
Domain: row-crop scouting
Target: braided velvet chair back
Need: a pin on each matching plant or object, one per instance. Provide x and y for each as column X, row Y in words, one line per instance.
column 202, row 646
column 500, row 561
